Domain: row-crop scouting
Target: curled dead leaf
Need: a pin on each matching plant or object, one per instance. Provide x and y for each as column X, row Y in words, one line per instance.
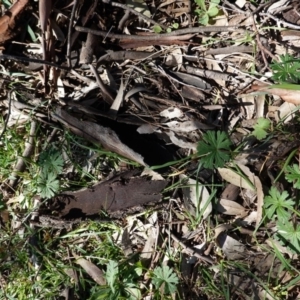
column 91, row 269
column 286, row 94
column 229, row 207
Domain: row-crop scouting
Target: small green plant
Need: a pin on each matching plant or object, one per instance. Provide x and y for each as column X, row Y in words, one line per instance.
column 51, row 161
column 279, row 204
column 204, row 12
column 214, row 149
column 51, row 165
column 260, row 128
column 122, row 282
column 289, row 234
column 164, row 277
column 158, row 29
column 47, row 185
column 288, row 70
column 293, row 175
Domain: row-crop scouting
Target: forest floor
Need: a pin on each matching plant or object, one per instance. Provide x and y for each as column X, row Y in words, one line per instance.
column 150, row 149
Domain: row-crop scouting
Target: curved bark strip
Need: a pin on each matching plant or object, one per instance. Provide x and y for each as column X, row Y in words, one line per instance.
column 8, row 20
column 125, row 190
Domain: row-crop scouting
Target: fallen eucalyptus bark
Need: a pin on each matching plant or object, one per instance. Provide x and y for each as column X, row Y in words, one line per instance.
column 126, row 190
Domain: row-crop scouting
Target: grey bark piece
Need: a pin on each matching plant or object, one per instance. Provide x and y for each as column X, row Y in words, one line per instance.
column 118, row 193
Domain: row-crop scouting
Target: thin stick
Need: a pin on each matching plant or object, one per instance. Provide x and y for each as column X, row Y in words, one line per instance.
column 286, row 24
column 8, row 114
column 135, row 12
column 29, row 147
column 261, row 46
column 189, row 250
column 26, row 59
column 69, row 33
column 107, row 96
column 155, row 37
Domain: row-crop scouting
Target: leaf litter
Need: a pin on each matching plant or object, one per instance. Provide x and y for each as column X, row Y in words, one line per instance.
column 205, row 94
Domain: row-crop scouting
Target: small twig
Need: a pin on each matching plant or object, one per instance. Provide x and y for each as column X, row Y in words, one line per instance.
column 189, row 250
column 69, row 33
column 29, row 147
column 135, row 12
column 230, row 50
column 171, row 79
column 152, row 37
column 262, row 47
column 26, row 59
column 262, row 6
column 8, row 114
column 286, row 24
column 107, row 96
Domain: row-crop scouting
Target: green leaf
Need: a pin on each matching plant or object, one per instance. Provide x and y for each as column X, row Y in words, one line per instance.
column 157, row 29
column 215, row 149
column 47, row 185
column 111, row 274
column 260, row 128
column 279, row 204
column 51, row 161
column 293, row 175
column 165, row 276
column 286, row 70
column 212, row 11
column 201, row 4
column 204, row 19
column 290, row 234
column 133, row 292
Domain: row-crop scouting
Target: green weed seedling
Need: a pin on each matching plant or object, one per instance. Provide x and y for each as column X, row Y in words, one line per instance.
column 293, row 175
column 121, row 281
column 280, row 207
column 51, row 165
column 261, row 127
column 279, row 204
column 166, row 278
column 214, row 149
column 158, row 29
column 204, row 12
column 287, row 70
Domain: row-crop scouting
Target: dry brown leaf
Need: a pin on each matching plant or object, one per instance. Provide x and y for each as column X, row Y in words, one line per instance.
column 149, row 248
column 232, row 248
column 118, row 100
column 229, row 207
column 259, row 191
column 234, row 178
column 285, row 111
column 221, row 228
column 195, row 196
column 291, row 96
column 97, row 134
column 91, row 269
column 7, row 22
